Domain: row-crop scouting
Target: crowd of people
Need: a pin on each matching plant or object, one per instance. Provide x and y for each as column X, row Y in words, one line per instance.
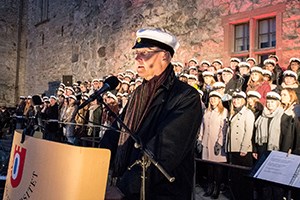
column 248, row 111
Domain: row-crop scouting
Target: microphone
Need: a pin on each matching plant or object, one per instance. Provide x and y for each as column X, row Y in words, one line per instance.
column 109, row 84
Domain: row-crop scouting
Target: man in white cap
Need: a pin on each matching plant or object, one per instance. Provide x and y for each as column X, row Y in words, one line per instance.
column 165, row 114
column 51, row 113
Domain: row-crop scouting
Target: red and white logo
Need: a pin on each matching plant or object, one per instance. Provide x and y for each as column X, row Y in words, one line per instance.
column 17, row 170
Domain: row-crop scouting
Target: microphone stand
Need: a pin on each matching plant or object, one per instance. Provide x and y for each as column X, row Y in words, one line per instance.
column 147, row 157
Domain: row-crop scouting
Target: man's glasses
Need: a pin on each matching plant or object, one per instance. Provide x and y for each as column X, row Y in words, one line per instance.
column 146, row 53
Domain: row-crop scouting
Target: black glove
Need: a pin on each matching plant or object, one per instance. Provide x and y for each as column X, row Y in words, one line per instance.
column 199, row 146
column 217, row 148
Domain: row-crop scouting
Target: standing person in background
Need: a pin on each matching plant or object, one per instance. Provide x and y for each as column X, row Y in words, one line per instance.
column 165, row 114
column 290, row 80
column 209, row 80
column 69, row 118
column 19, row 113
column 268, row 78
column 270, row 64
column 244, row 71
column 257, row 83
column 274, row 131
column 234, row 62
column 239, row 145
column 294, row 65
column 51, row 113
column 251, row 61
column 212, row 137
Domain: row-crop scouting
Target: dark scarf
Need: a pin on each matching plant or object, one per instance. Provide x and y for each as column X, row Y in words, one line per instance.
column 137, row 109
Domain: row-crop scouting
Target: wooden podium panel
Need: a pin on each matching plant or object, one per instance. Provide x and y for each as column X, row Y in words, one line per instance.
column 40, row 169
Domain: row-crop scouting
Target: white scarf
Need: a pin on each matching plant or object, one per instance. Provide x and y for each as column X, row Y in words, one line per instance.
column 269, row 135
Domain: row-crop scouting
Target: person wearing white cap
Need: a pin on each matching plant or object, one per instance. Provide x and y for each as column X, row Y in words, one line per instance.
column 81, row 118
column 211, row 137
column 69, row 91
column 50, row 112
column 234, row 63
column 183, row 77
column 274, row 132
column 271, row 65
column 193, row 70
column 94, row 113
column 254, row 104
column 268, row 78
column 165, row 113
column 218, row 64
column 294, row 65
column 178, row 68
column 239, row 144
column 193, row 62
column 227, row 75
column 290, row 79
column 231, row 81
column 131, row 73
column 257, row 83
column 219, row 87
column 251, row 62
column 124, row 86
column 209, row 80
column 193, row 81
column 69, row 117
column 244, row 72
column 203, row 65
column 289, row 100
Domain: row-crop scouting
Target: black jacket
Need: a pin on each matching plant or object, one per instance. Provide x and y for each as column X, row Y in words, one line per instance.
column 169, row 132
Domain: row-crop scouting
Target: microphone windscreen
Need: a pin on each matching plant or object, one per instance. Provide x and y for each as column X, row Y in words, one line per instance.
column 112, row 81
column 36, row 100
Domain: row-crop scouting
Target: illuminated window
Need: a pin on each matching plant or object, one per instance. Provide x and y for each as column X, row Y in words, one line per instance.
column 241, row 37
column 267, row 33
column 256, row 33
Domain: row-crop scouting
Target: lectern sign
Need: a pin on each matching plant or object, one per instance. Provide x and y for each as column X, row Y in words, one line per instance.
column 40, row 169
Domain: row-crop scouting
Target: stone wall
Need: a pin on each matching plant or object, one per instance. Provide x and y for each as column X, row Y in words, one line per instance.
column 90, row 39
column 8, row 49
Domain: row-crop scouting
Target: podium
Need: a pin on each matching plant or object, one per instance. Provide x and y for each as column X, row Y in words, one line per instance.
column 41, row 169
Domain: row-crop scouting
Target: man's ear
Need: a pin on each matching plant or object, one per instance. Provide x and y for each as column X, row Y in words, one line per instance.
column 167, row 56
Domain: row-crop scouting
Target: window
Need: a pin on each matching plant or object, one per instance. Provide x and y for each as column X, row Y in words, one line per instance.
column 256, row 33
column 241, row 37
column 267, row 33
column 41, row 12
column 44, row 10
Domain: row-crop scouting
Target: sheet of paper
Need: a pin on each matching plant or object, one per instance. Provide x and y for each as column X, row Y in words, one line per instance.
column 280, row 168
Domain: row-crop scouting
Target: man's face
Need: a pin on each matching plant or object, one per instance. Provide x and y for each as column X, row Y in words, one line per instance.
column 149, row 62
